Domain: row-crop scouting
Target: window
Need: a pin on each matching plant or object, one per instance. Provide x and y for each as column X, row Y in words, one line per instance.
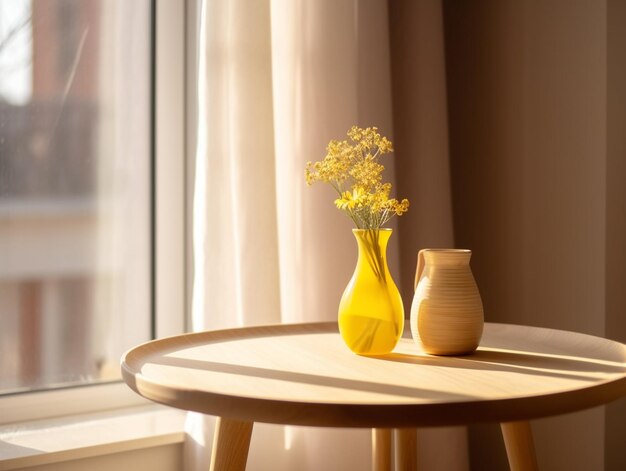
column 174, row 29
column 75, row 189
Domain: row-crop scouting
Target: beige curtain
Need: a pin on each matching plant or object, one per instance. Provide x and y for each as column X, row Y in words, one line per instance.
column 279, row 79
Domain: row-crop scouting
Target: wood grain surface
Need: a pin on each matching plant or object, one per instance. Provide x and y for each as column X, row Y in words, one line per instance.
column 304, row 375
column 381, row 449
column 231, row 444
column 520, row 449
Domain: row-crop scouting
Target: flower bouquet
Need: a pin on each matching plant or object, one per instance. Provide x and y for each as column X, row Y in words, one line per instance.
column 371, row 314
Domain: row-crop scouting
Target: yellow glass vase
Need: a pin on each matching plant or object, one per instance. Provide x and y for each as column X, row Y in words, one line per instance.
column 371, row 314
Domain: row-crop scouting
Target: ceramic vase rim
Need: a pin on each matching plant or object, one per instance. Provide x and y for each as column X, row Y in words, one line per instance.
column 447, row 250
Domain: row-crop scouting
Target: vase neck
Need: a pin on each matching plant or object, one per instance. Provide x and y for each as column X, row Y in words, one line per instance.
column 373, row 250
column 367, row 238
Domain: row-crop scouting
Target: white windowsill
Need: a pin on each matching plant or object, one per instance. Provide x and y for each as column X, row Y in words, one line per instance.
column 88, row 435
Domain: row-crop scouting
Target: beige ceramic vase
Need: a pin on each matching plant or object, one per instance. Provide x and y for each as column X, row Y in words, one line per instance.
column 447, row 312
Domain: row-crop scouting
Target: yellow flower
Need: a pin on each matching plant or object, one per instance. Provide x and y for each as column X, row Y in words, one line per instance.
column 352, row 169
column 367, row 172
column 345, row 201
column 351, row 200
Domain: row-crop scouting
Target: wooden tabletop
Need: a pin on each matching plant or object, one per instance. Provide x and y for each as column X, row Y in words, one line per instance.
column 304, row 375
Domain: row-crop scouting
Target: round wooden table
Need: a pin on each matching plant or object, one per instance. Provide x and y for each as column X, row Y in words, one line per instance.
column 303, row 374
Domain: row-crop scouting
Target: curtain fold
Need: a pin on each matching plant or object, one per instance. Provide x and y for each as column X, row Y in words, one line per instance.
column 278, row 80
column 235, row 231
column 330, row 70
column 236, row 277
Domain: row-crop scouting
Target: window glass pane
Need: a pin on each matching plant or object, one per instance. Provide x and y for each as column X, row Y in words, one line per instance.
column 74, row 189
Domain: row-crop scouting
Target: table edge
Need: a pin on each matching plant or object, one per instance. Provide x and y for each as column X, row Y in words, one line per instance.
column 361, row 415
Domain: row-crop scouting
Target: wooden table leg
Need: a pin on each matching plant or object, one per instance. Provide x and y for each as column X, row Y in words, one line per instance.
column 406, row 443
column 381, row 449
column 230, row 444
column 520, row 449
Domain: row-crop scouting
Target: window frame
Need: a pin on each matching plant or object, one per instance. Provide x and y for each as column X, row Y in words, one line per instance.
column 168, row 220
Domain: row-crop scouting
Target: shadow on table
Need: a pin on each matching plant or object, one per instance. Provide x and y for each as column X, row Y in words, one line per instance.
column 512, row 361
column 307, row 378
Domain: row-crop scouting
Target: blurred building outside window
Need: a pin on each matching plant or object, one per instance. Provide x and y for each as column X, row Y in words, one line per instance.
column 75, row 186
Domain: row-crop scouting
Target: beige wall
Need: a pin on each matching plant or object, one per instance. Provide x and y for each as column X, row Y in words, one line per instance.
column 536, row 115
